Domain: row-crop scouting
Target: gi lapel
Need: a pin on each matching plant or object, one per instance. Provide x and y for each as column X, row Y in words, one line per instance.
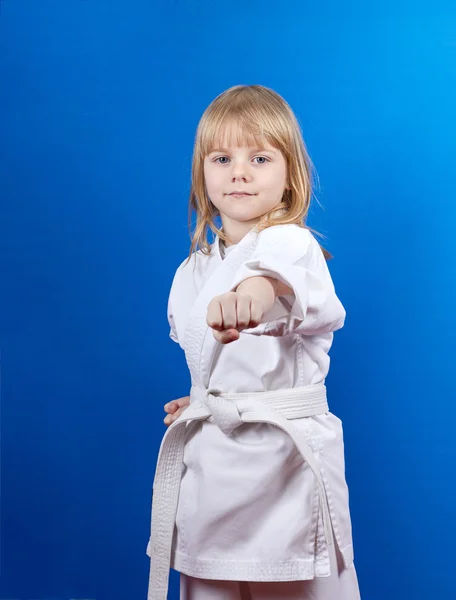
column 199, row 344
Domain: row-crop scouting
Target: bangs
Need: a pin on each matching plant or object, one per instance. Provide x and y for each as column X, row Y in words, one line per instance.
column 235, row 127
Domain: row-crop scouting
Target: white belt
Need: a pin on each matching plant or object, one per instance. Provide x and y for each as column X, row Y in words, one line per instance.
column 227, row 411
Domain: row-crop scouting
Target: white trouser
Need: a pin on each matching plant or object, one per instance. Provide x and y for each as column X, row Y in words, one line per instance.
column 341, row 585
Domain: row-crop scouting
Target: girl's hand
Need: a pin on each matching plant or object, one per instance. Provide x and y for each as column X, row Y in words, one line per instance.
column 175, row 408
column 230, row 313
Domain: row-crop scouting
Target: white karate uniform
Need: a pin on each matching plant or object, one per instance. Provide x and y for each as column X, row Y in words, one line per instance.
column 251, row 505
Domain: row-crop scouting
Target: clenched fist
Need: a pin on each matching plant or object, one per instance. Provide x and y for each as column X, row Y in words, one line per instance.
column 232, row 312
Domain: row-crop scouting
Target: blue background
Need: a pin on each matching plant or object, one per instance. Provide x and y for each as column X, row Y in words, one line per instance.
column 99, row 100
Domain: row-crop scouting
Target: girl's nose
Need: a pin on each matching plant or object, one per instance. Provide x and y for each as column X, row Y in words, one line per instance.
column 241, row 172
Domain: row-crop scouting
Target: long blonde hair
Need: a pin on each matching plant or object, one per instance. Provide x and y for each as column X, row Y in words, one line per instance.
column 257, row 113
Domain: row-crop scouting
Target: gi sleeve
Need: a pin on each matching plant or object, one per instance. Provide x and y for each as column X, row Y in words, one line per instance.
column 292, row 255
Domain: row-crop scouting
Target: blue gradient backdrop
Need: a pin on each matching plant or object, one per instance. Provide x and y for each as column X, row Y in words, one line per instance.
column 99, row 100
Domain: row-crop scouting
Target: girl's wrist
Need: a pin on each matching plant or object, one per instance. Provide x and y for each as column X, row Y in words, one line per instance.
column 261, row 289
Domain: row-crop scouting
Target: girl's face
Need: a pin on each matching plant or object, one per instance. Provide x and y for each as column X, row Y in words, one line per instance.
column 244, row 183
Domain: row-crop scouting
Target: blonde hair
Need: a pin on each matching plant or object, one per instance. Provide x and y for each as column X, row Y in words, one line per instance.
column 257, row 113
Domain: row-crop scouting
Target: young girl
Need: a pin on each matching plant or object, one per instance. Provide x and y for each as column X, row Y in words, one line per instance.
column 250, row 499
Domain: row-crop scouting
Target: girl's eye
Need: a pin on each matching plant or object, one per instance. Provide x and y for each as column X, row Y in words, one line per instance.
column 224, row 160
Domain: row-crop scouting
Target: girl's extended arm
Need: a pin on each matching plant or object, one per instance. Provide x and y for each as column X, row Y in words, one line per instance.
column 264, row 289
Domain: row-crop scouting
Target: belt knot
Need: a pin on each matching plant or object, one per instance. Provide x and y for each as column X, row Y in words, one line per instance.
column 224, row 413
